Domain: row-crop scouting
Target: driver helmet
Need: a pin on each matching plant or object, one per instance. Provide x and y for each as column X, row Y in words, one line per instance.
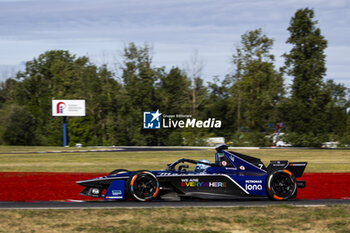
column 200, row 167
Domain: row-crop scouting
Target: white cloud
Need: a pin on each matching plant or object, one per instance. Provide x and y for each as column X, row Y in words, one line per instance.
column 175, row 28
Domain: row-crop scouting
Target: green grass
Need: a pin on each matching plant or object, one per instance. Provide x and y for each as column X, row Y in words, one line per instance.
column 14, row 149
column 236, row 219
column 318, row 160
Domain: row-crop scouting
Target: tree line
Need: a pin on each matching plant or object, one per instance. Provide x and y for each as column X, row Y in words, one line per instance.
column 249, row 101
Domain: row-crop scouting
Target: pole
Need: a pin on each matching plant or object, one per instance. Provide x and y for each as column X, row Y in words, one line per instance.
column 64, row 128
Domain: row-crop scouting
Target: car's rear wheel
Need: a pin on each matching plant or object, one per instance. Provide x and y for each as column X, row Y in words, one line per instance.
column 281, row 185
column 117, row 171
column 142, row 186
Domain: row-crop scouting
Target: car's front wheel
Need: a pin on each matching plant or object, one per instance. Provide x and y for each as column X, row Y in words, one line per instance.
column 142, row 186
column 281, row 185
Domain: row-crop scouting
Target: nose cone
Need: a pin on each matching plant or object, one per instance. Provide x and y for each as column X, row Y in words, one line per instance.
column 97, row 182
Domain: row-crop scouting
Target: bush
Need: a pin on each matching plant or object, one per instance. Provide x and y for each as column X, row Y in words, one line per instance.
column 80, row 131
column 305, row 140
column 194, row 138
column 175, row 139
column 251, row 139
column 18, row 126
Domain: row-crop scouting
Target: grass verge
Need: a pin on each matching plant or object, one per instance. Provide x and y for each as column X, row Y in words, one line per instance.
column 319, row 160
column 238, row 219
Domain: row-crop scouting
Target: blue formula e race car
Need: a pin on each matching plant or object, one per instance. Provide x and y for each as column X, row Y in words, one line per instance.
column 232, row 176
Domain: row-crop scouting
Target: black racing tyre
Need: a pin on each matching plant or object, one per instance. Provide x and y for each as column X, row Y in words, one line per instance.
column 281, row 185
column 294, row 195
column 142, row 186
column 118, row 171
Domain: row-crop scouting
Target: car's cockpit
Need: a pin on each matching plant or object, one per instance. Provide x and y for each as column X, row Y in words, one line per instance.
column 222, row 160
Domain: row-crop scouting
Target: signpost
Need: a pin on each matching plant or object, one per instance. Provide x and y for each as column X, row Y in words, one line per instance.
column 67, row 108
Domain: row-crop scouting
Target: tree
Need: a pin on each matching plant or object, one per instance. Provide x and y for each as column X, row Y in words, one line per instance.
column 194, row 70
column 174, row 92
column 219, row 106
column 336, row 109
column 139, row 79
column 257, row 86
column 18, row 126
column 305, row 111
column 8, row 91
column 57, row 74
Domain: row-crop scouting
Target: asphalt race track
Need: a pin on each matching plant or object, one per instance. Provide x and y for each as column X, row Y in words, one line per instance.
column 167, row 204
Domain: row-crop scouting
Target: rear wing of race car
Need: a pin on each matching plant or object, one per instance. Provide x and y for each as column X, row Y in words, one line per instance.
column 297, row 168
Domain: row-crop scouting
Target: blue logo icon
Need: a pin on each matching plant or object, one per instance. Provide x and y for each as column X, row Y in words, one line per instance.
column 116, row 192
column 151, row 120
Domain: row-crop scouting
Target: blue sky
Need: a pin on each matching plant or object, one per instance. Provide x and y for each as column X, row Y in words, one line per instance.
column 175, row 29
